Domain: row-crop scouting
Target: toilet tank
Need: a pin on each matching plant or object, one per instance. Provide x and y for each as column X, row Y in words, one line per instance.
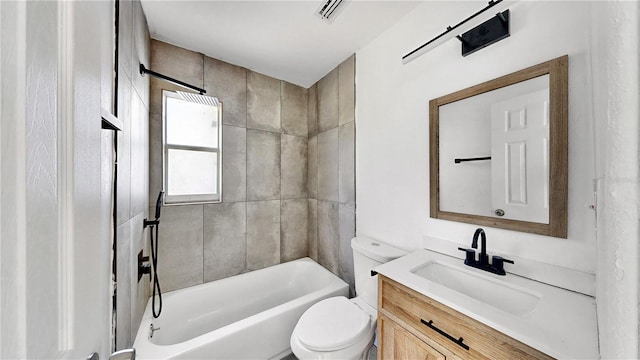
column 367, row 254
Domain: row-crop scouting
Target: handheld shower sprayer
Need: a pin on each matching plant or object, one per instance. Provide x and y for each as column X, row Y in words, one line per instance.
column 157, row 214
column 154, row 256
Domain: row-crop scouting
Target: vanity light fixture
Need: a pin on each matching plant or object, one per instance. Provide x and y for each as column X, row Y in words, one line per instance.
column 478, row 31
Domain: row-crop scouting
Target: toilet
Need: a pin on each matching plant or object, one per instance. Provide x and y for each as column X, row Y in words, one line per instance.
column 342, row 328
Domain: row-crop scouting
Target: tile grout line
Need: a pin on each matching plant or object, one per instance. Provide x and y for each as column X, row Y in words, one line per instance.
column 280, row 177
column 354, row 145
column 203, row 205
column 338, row 162
column 246, row 171
column 203, row 254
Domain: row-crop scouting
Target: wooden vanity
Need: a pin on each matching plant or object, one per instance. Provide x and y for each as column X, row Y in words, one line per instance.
column 414, row 326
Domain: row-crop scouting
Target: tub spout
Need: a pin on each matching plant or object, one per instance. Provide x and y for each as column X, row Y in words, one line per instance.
column 125, row 354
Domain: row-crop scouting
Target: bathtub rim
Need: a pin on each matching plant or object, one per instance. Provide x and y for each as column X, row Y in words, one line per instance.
column 147, row 349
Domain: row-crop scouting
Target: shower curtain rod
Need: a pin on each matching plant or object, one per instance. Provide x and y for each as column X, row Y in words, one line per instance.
column 144, row 70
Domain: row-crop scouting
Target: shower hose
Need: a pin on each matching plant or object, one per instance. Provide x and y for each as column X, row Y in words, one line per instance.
column 156, row 282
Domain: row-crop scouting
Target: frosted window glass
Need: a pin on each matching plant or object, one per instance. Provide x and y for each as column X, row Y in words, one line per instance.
column 191, row 124
column 192, row 172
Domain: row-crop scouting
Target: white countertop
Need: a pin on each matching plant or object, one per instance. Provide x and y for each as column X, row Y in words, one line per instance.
column 562, row 325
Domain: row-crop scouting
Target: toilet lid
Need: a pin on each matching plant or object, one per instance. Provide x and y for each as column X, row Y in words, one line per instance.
column 332, row 324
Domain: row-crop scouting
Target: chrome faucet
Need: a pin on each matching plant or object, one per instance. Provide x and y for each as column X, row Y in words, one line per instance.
column 497, row 262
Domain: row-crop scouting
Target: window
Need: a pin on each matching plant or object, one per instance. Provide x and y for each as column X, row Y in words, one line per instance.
column 192, row 148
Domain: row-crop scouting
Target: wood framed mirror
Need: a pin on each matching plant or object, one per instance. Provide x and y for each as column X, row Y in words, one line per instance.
column 499, row 152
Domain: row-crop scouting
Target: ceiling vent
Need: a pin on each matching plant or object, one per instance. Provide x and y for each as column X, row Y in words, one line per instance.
column 330, row 9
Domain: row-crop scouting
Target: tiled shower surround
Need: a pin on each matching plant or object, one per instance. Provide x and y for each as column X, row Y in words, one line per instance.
column 133, row 103
column 288, row 173
column 331, row 186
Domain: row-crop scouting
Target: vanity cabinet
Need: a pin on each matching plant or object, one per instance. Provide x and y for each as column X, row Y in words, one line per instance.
column 414, row 326
column 398, row 343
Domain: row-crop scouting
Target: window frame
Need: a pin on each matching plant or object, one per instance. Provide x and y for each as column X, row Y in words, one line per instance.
column 209, row 198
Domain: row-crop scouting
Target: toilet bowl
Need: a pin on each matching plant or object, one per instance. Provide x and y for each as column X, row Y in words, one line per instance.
column 342, row 328
column 335, row 328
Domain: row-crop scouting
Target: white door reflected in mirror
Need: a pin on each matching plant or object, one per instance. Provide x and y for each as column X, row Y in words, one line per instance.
column 520, row 157
column 494, row 157
column 498, row 151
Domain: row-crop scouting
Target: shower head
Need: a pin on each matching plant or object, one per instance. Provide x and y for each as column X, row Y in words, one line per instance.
column 159, row 204
column 155, row 222
column 198, row 99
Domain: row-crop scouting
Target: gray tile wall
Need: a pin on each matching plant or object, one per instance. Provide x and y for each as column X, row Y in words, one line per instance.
column 225, row 240
column 181, row 247
column 263, row 102
column 294, row 150
column 328, row 101
column 229, row 83
column 263, row 218
column 328, row 165
column 133, row 175
column 288, row 176
column 331, row 170
column 234, row 159
column 263, row 234
column 293, row 226
column 263, row 165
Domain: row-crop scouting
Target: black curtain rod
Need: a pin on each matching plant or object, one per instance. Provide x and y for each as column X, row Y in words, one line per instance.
column 144, row 70
column 492, row 3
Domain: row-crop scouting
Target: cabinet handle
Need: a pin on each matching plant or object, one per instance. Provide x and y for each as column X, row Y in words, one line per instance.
column 459, row 341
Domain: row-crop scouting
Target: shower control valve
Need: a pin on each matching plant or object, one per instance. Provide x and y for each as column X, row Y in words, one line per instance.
column 143, row 265
column 150, row 223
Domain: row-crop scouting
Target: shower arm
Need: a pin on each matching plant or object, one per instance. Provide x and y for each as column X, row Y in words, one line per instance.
column 144, row 70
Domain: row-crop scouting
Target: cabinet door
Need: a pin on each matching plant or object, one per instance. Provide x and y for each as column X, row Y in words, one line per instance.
column 397, row 343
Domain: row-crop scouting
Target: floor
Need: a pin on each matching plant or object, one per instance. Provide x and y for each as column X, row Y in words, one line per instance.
column 373, row 355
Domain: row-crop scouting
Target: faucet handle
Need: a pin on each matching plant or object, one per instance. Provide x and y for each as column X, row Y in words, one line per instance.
column 470, row 256
column 497, row 263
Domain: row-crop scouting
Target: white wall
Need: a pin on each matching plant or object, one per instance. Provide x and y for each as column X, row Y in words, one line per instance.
column 392, row 146
column 617, row 169
column 601, row 39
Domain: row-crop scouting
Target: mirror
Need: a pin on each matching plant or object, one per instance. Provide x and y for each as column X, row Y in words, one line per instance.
column 498, row 152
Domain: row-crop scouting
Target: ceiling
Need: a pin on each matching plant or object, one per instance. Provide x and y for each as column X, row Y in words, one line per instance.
column 286, row 40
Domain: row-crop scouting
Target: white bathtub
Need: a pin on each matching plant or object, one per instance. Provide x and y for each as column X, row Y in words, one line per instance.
column 248, row 316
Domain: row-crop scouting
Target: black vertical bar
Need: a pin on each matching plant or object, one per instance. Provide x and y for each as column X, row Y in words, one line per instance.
column 114, row 100
column 116, row 58
column 114, row 264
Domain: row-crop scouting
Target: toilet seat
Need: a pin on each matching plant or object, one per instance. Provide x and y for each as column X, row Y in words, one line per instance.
column 332, row 324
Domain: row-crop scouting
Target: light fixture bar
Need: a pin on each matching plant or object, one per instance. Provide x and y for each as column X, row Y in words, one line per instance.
column 461, row 27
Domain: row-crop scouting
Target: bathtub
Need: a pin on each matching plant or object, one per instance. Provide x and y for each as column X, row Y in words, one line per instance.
column 247, row 316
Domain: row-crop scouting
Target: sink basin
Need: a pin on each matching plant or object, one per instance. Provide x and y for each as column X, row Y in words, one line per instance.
column 554, row 320
column 494, row 292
